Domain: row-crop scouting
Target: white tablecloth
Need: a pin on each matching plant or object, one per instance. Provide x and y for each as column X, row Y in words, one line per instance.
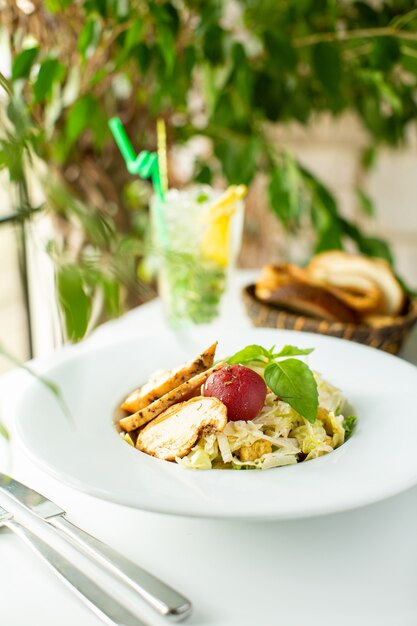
column 356, row 568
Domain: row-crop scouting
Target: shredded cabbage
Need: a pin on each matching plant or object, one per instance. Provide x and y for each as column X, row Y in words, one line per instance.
column 126, row 437
column 277, row 436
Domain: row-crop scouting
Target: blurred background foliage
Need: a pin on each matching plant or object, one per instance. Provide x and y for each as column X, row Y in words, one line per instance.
column 226, row 71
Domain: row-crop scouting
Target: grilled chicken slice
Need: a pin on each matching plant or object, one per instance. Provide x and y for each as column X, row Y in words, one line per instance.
column 148, row 413
column 162, row 383
column 175, row 431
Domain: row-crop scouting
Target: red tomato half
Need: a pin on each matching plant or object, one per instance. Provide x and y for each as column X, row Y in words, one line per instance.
column 241, row 389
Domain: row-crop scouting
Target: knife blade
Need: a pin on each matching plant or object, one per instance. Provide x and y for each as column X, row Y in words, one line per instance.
column 30, row 498
column 163, row 598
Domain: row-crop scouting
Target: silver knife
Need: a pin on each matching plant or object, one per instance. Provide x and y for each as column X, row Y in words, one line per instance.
column 108, row 609
column 156, row 593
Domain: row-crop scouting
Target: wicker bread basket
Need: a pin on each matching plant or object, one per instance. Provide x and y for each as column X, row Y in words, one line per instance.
column 389, row 338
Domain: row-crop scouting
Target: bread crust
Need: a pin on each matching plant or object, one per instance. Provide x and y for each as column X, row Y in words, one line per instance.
column 309, row 300
column 351, row 272
column 336, row 286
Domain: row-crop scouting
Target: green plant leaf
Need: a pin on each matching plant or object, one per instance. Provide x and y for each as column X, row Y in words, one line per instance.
column 377, row 82
column 368, row 157
column 372, row 246
column 11, row 158
column 249, row 354
column 22, row 63
column 6, row 85
column 81, row 116
column 111, row 294
column 54, row 6
column 204, row 174
column 386, row 52
column 51, row 71
column 321, row 195
column 88, row 37
column 269, row 95
column 167, row 47
column 375, row 247
column 280, row 50
column 100, row 7
column 324, row 215
column 190, row 58
column 365, row 203
column 278, row 196
column 286, row 193
column 241, row 78
column 74, row 301
column 213, row 44
column 329, row 235
column 134, row 34
column 294, row 382
column 409, row 59
column 328, row 66
column 167, row 14
column 238, row 158
column 4, row 432
column 399, row 21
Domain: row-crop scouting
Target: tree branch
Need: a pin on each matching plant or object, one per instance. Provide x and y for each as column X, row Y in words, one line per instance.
column 347, row 35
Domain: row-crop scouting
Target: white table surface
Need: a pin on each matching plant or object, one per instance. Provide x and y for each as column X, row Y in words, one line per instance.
column 356, row 568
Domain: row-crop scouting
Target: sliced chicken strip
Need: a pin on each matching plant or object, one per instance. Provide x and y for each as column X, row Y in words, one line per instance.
column 161, row 384
column 175, row 431
column 151, row 411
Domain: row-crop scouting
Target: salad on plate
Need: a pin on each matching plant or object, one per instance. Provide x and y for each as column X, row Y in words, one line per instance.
column 257, row 409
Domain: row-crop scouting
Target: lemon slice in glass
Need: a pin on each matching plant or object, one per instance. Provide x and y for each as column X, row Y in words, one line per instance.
column 215, row 246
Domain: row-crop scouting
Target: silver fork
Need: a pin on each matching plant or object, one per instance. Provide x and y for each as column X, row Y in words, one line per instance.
column 108, row 609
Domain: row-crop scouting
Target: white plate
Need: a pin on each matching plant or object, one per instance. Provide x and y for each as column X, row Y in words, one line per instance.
column 378, row 461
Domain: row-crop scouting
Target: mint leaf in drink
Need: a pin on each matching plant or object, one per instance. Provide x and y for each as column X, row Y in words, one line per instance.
column 292, row 351
column 250, row 354
column 349, row 424
column 294, row 382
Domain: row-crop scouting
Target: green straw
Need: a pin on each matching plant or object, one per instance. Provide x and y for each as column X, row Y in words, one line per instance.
column 145, row 165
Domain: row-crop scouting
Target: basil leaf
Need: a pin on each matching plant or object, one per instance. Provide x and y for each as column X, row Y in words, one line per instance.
column 349, row 424
column 292, row 351
column 250, row 353
column 293, row 381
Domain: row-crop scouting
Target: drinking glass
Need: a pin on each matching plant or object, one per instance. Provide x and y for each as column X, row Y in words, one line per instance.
column 197, row 245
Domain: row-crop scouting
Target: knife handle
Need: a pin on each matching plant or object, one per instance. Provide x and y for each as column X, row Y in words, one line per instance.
column 107, row 608
column 156, row 593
